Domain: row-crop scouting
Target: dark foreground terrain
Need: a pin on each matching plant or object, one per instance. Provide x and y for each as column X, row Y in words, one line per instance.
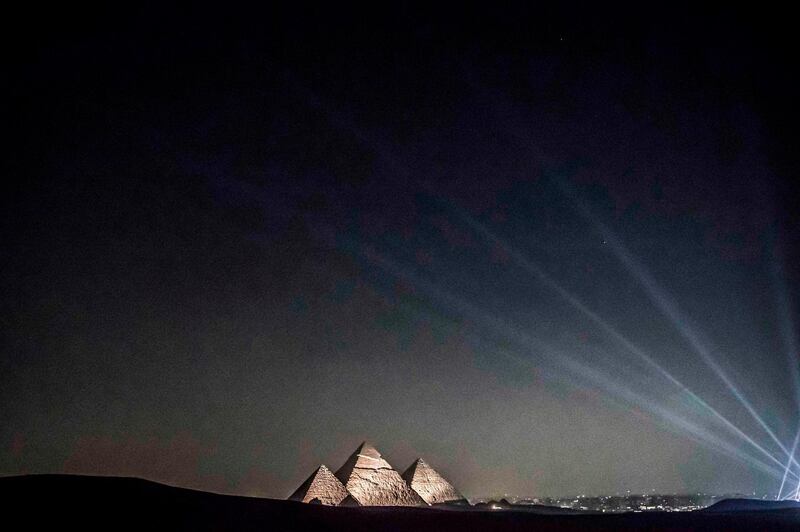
column 49, row 502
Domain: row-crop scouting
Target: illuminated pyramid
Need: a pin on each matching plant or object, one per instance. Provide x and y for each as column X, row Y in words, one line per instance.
column 430, row 485
column 321, row 487
column 371, row 481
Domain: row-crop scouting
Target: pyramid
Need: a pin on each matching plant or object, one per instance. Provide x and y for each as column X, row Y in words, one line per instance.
column 429, row 484
column 322, row 487
column 349, row 501
column 371, row 481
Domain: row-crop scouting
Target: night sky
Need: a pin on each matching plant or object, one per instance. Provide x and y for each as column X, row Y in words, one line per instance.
column 543, row 249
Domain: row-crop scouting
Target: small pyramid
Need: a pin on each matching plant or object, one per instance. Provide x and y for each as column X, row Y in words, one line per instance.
column 430, row 485
column 371, row 481
column 322, row 487
column 349, row 501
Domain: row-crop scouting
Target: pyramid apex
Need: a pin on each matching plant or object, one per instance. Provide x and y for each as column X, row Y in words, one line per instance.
column 419, row 462
column 367, row 449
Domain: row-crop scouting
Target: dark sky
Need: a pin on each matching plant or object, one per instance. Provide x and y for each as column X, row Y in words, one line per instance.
column 543, row 249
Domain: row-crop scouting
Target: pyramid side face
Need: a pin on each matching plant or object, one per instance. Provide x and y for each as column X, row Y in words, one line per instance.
column 371, row 481
column 323, row 487
column 381, row 487
column 429, row 484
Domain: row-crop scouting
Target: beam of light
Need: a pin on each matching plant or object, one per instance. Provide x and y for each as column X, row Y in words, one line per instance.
column 669, row 307
column 533, row 345
column 789, row 337
column 535, row 270
column 796, row 494
column 789, row 463
column 653, row 291
column 657, row 295
column 343, row 123
column 785, row 323
column 682, row 424
column 692, row 430
column 675, row 423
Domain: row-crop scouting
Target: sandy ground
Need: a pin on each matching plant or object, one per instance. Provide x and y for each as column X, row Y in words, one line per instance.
column 106, row 503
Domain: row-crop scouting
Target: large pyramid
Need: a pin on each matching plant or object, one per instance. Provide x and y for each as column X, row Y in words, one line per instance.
column 371, row 481
column 322, row 486
column 429, row 484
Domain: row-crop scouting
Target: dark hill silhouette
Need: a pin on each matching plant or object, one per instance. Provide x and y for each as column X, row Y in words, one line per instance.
column 751, row 505
column 62, row 502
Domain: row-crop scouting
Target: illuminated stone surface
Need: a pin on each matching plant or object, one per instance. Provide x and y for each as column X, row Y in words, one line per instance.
column 322, row 487
column 371, row 481
column 429, row 484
